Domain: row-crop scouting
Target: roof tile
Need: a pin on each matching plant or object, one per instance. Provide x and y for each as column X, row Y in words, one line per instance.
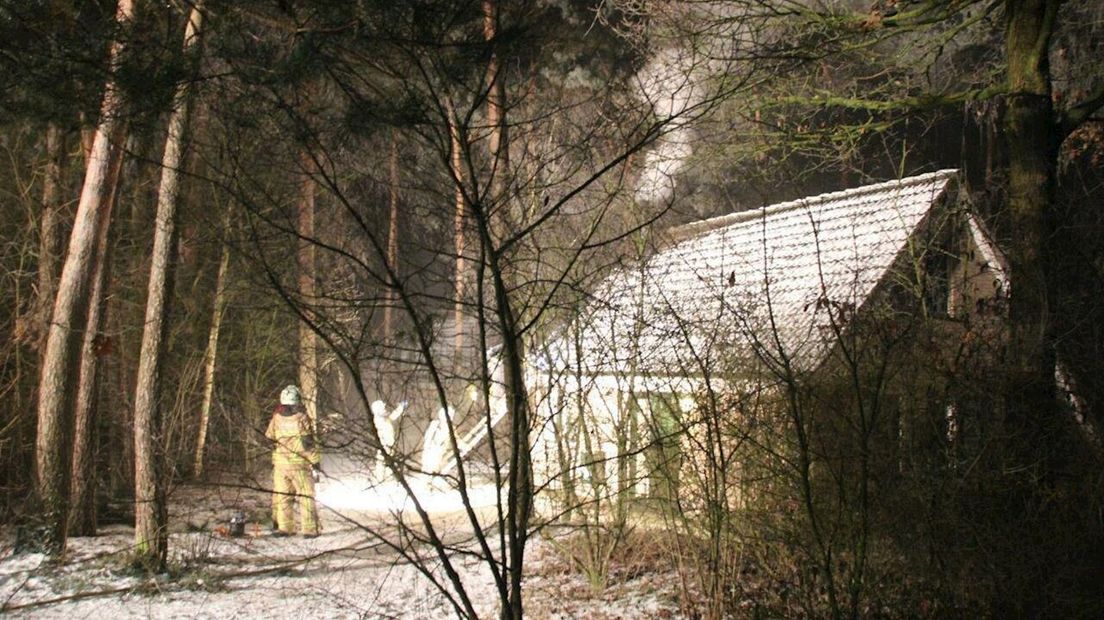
column 724, row 282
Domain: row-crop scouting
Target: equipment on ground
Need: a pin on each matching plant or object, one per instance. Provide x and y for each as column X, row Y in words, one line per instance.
column 237, row 524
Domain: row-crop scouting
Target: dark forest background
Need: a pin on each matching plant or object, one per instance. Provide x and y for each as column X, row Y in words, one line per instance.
column 366, row 197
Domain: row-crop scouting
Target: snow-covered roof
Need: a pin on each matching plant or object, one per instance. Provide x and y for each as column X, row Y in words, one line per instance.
column 759, row 282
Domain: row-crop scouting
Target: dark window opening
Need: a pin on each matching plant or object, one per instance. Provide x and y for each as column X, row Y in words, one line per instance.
column 938, row 266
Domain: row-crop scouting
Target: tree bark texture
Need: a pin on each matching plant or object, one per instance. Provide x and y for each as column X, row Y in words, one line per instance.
column 460, row 273
column 308, row 345
column 150, row 513
column 392, row 235
column 87, row 139
column 496, row 103
column 210, row 357
column 49, row 249
column 82, row 490
column 59, row 362
column 1031, row 132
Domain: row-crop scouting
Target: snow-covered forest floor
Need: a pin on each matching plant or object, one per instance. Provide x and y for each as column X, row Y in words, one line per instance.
column 344, row 573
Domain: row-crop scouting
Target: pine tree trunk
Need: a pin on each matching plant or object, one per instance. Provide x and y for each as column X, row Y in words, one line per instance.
column 87, row 140
column 1031, row 132
column 59, row 362
column 308, row 346
column 392, row 235
column 460, row 274
column 150, row 514
column 82, row 490
column 496, row 103
column 49, row 253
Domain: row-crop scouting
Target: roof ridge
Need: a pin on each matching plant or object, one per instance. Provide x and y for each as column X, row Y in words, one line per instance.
column 686, row 231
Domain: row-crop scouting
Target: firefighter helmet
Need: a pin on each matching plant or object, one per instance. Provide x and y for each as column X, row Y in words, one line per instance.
column 290, row 396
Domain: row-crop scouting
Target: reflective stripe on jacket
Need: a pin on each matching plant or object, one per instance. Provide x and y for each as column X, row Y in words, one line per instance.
column 294, row 438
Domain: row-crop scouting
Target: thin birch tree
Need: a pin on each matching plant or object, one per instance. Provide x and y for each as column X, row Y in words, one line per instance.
column 210, row 356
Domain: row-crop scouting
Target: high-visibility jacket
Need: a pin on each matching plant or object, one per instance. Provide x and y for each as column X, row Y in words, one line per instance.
column 293, row 434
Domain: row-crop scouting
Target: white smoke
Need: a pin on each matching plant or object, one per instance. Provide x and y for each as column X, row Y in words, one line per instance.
column 698, row 46
column 667, row 83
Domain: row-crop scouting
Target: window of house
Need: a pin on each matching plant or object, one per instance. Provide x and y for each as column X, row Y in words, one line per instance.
column 938, row 267
column 664, row 454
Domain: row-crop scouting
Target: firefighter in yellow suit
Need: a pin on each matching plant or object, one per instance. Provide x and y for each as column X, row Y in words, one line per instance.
column 295, row 456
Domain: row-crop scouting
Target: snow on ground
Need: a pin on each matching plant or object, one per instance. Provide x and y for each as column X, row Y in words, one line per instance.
column 345, row 573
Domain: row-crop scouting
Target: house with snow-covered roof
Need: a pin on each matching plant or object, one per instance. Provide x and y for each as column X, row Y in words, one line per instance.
column 775, row 293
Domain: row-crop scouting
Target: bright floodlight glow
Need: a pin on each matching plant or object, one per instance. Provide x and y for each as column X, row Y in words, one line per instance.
column 360, row 493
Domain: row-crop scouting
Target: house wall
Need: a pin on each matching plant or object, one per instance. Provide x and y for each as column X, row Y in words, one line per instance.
column 980, row 283
column 919, row 367
column 591, row 429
